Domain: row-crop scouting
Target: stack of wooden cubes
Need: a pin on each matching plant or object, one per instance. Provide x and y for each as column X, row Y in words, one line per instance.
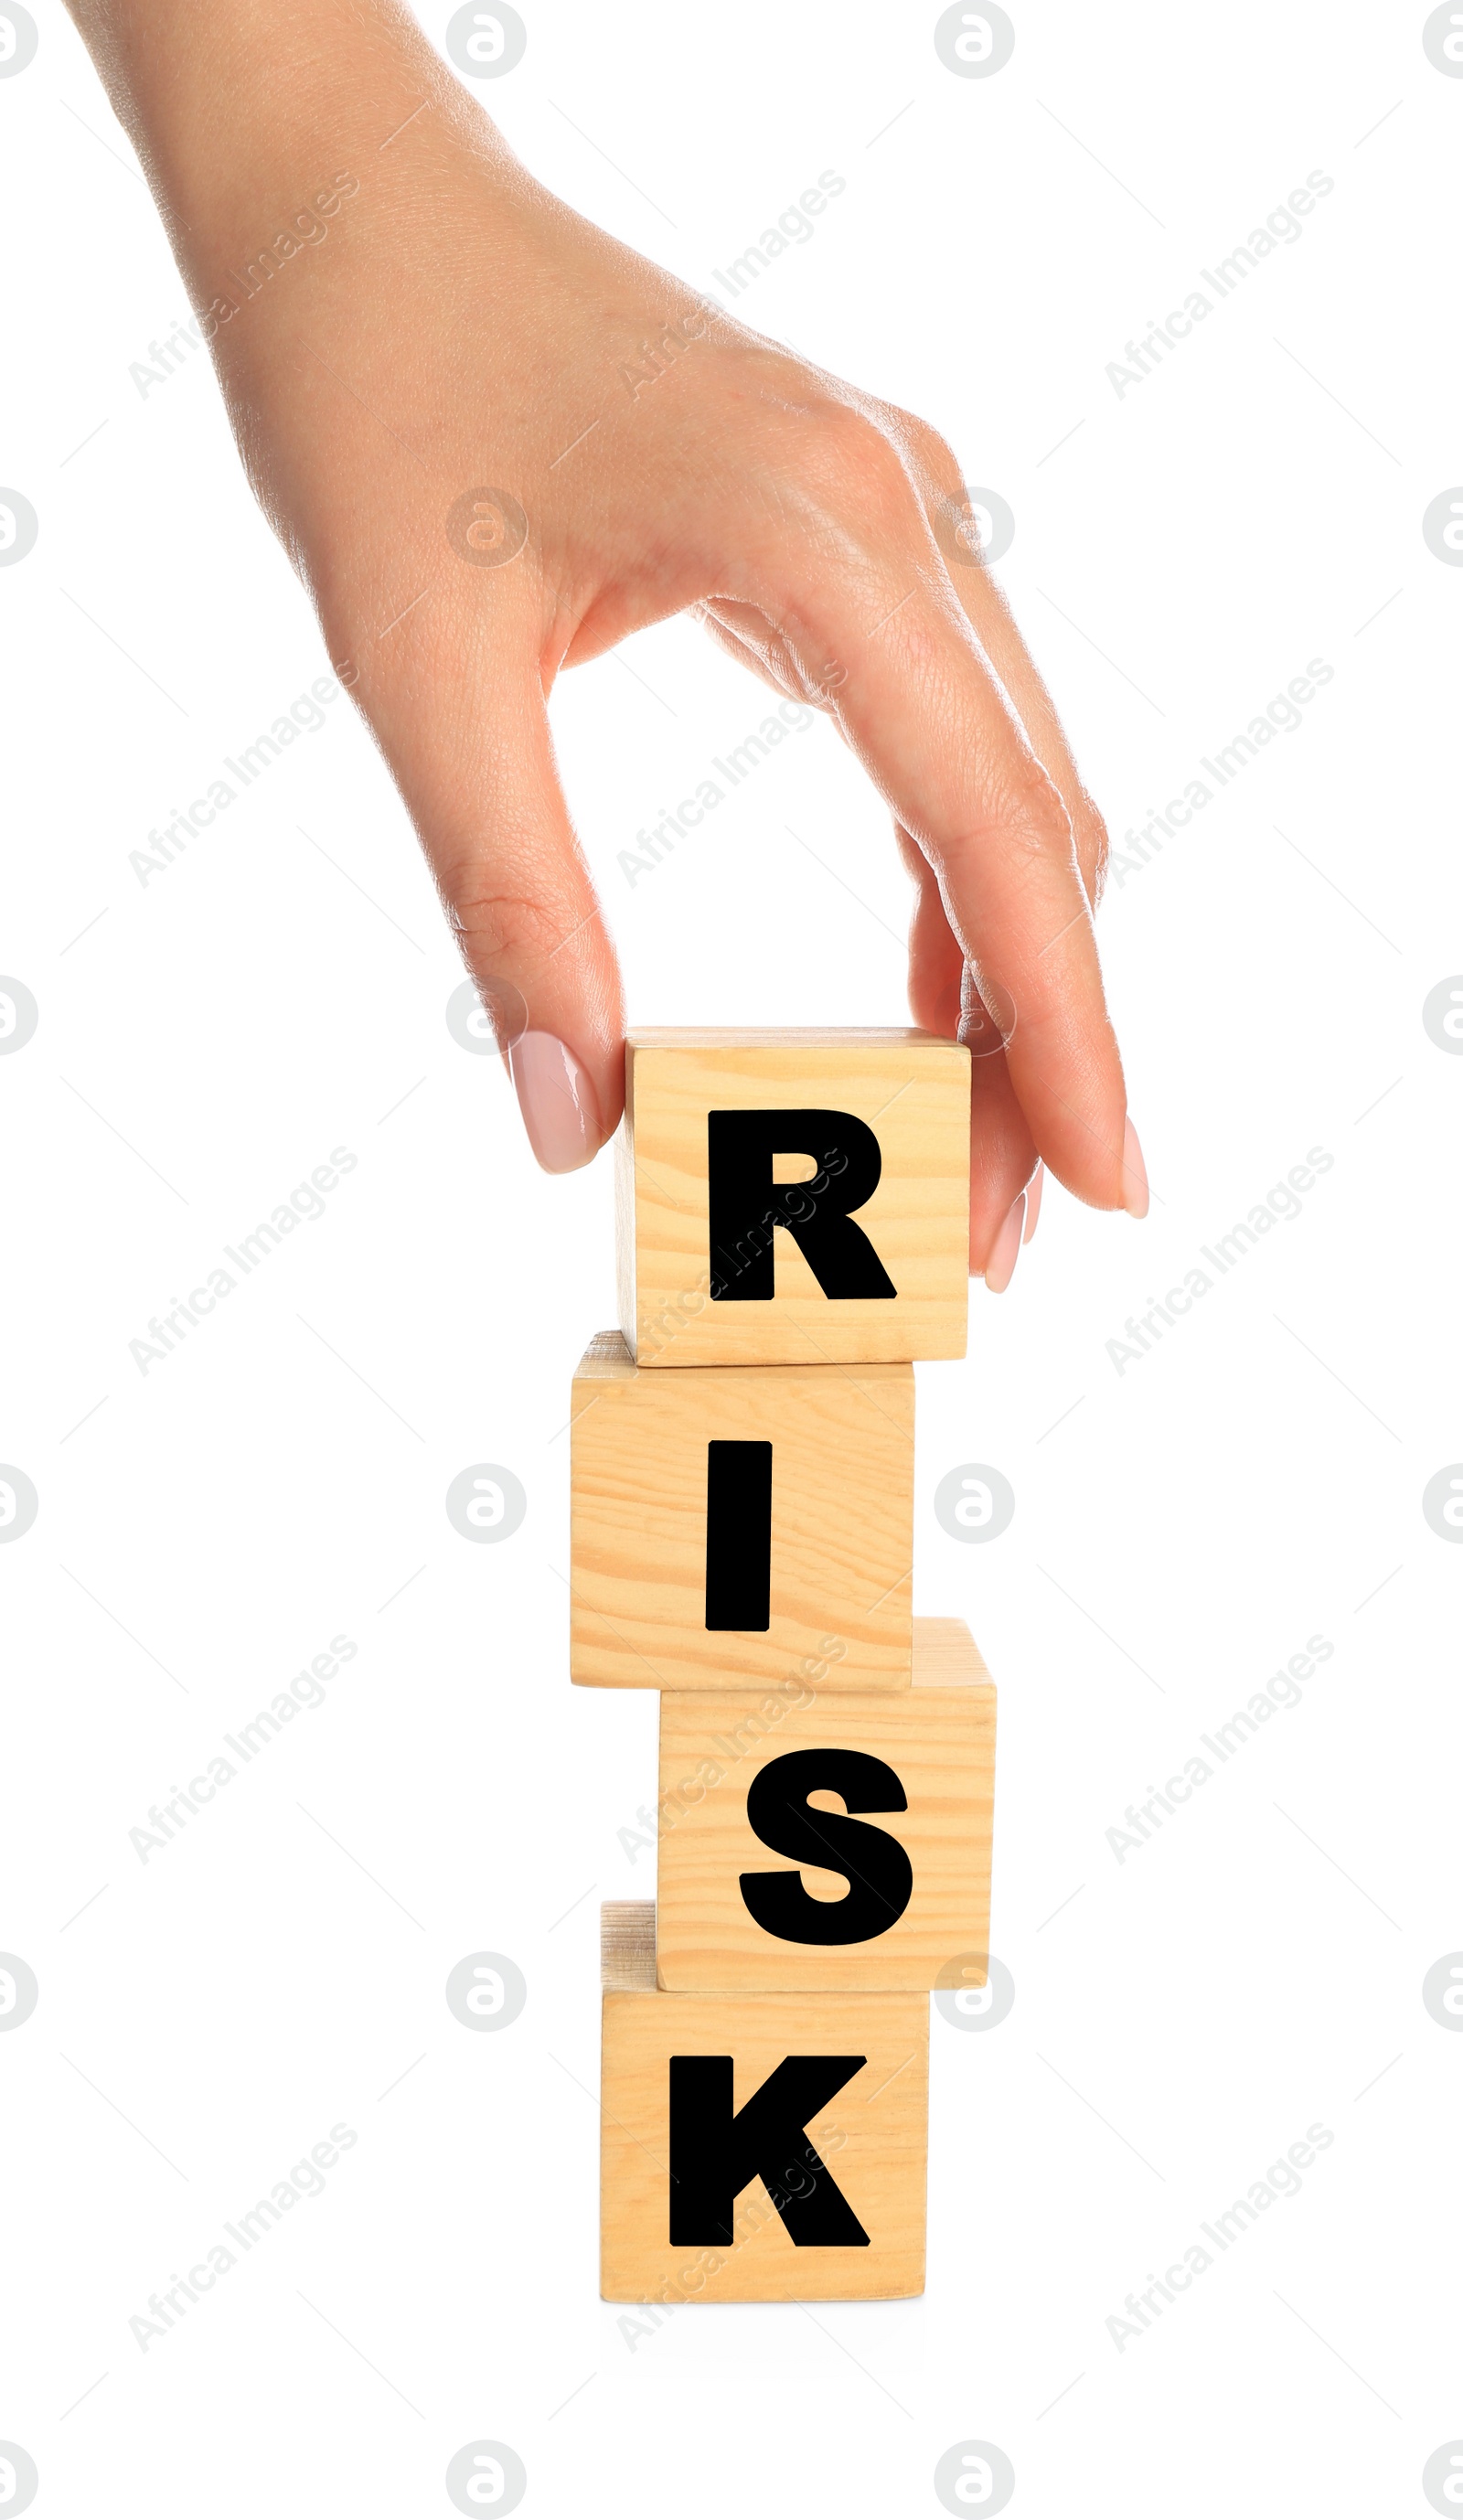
column 793, row 1235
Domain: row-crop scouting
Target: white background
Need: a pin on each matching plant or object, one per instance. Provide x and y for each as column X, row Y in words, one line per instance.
column 1182, row 1526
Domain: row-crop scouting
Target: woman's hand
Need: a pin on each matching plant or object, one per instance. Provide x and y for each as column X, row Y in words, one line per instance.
column 400, row 316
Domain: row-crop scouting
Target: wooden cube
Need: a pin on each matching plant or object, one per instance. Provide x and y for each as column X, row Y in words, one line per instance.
column 733, row 1528
column 887, row 1898
column 759, row 2146
column 794, row 1198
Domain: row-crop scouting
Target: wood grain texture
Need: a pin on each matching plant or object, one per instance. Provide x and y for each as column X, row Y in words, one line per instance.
column 911, row 1087
column 872, row 2138
column 842, row 1516
column 947, row 1655
column 626, row 1944
column 939, row 1738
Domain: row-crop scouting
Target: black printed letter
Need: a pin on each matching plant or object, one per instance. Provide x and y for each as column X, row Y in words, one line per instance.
column 714, row 2153
column 745, row 1203
column 878, row 1871
column 738, row 1536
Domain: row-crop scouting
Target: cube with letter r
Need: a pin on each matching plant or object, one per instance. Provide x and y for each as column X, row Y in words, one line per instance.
column 794, row 1198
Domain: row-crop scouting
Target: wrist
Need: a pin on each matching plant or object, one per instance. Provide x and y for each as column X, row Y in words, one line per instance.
column 257, row 123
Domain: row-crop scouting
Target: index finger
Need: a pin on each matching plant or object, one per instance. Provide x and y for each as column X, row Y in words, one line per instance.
column 924, row 709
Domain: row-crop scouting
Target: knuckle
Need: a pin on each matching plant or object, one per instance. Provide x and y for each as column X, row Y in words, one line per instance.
column 930, row 456
column 503, row 930
column 1094, row 847
column 1037, row 810
column 1020, row 814
column 859, row 468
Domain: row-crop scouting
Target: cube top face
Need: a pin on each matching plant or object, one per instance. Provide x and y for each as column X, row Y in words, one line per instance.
column 742, row 1528
column 841, row 1842
column 794, row 1198
column 688, row 2215
column 947, row 1655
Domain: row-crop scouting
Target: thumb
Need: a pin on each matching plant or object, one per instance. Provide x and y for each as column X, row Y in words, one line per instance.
column 470, row 744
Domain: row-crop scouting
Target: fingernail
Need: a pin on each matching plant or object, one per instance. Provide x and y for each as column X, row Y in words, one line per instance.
column 1135, row 1173
column 1033, row 1202
column 1000, row 1268
column 556, row 1100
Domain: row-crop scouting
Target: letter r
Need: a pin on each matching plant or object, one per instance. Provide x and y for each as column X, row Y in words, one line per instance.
column 743, row 1198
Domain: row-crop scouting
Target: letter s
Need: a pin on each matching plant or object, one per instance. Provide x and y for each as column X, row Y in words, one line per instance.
column 877, row 1870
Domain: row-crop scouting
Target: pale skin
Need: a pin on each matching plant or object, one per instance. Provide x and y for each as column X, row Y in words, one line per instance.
column 454, row 323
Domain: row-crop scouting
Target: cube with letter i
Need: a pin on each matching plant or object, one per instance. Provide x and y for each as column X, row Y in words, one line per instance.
column 734, row 1528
